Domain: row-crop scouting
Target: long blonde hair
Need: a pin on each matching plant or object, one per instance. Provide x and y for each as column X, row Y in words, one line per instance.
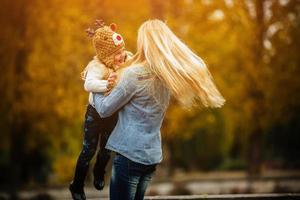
column 183, row 72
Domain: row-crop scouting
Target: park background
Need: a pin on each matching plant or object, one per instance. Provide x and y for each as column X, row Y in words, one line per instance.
column 252, row 49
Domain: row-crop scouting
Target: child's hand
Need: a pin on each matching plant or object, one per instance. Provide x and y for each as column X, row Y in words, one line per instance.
column 111, row 80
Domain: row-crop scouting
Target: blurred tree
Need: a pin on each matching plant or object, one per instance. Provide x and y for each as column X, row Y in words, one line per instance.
column 234, row 38
column 14, row 58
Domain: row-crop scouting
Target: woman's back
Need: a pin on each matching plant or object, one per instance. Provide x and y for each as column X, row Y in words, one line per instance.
column 137, row 133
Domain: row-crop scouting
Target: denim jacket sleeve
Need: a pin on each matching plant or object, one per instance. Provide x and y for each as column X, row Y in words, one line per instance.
column 118, row 97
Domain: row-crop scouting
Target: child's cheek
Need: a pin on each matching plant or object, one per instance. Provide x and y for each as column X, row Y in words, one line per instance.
column 116, row 59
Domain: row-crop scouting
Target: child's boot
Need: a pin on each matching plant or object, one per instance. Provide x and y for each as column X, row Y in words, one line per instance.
column 77, row 192
column 99, row 182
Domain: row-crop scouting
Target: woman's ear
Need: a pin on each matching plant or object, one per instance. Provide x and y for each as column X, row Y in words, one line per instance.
column 113, row 27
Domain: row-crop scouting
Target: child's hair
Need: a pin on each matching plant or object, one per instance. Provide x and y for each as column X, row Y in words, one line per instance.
column 181, row 70
column 84, row 73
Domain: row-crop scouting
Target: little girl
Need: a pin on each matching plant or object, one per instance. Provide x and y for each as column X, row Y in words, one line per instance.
column 110, row 54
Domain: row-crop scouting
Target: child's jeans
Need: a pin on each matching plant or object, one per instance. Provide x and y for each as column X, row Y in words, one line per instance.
column 95, row 127
column 129, row 180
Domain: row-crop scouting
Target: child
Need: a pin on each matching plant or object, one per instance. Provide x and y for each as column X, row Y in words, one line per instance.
column 110, row 54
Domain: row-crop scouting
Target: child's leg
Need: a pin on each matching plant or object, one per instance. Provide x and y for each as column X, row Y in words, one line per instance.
column 103, row 155
column 92, row 129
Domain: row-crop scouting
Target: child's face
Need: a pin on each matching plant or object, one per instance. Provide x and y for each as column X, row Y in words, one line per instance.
column 120, row 57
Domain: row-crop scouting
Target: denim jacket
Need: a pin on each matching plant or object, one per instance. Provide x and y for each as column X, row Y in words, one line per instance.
column 142, row 101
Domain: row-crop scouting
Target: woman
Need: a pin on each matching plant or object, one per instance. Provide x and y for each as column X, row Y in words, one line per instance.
column 163, row 65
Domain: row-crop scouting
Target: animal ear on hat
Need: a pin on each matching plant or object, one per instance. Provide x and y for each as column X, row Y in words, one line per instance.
column 113, row 26
column 90, row 32
column 99, row 23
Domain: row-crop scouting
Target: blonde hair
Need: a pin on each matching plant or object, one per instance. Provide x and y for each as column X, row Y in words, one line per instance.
column 183, row 72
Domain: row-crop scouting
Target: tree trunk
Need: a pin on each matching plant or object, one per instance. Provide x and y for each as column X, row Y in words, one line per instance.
column 255, row 138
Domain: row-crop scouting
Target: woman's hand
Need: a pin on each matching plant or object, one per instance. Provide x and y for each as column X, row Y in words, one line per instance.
column 111, row 81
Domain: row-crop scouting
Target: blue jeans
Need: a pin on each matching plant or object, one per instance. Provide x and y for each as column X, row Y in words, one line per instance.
column 129, row 179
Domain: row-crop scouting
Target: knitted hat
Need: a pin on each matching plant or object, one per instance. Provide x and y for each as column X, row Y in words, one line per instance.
column 107, row 43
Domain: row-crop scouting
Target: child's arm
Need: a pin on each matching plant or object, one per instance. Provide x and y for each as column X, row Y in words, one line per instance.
column 93, row 80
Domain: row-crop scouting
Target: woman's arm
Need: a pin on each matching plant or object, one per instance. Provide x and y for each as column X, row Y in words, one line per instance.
column 119, row 96
column 93, row 80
